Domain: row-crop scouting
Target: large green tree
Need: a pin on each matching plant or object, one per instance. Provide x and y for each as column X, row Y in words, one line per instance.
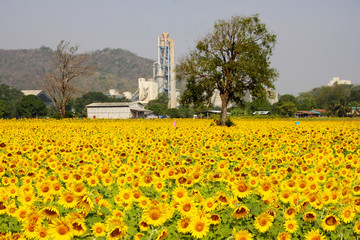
column 234, row 58
column 31, row 106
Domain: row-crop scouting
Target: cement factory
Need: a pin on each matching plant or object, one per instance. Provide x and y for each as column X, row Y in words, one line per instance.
column 163, row 79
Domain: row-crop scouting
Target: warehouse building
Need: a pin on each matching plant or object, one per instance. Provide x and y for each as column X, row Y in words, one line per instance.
column 117, row 110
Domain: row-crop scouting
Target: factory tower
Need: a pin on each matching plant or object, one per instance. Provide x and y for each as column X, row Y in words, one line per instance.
column 164, row 68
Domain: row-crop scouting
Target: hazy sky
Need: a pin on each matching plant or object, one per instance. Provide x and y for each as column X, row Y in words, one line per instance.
column 317, row 39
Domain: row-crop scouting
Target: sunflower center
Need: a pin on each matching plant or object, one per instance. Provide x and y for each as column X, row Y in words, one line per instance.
column 187, row 207
column 99, row 230
column 69, row 198
column 184, row 224
column 290, row 211
column 199, row 226
column 330, row 221
column 155, row 215
column 126, row 196
column 77, row 226
column 347, row 214
column 115, row 233
column 45, row 189
column 43, row 233
column 266, row 187
column 242, row 187
column 263, row 222
column 209, row 204
column 50, row 212
column 63, row 229
column 290, row 226
column 22, row 214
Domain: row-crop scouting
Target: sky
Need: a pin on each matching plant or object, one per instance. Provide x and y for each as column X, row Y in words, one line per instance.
column 316, row 39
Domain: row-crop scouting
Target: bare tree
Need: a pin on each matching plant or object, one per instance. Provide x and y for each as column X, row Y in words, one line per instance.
column 65, row 70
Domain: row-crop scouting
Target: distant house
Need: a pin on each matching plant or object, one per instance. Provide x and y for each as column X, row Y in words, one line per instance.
column 207, row 113
column 307, row 114
column 117, row 110
column 40, row 94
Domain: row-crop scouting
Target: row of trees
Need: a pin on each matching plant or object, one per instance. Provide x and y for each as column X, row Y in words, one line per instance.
column 14, row 104
column 337, row 100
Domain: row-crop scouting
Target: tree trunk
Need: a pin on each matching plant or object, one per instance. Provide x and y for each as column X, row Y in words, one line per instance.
column 224, row 99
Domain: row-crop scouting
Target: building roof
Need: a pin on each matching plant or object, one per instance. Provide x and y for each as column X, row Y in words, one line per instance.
column 110, row 104
column 308, row 112
column 134, row 106
column 31, row 92
column 261, row 112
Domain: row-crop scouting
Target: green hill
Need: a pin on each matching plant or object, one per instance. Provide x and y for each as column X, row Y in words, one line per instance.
column 115, row 68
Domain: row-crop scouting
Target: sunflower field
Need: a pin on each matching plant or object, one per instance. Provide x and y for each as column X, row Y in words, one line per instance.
column 159, row 179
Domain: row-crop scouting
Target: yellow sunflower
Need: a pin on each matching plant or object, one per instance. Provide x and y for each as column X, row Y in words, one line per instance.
column 85, row 202
column 240, row 189
column 290, row 213
column 214, row 219
column 240, row 212
column 330, row 222
column 284, row 236
column 266, row 188
column 187, row 207
column 162, row 235
column 11, row 209
column 143, row 226
column 199, row 226
column 242, row 235
column 347, row 214
column 116, row 228
column 78, row 227
column 29, row 229
column 183, row 225
column 50, row 213
column 209, row 204
column 98, row 229
column 59, row 229
column 314, row 235
column 291, row 226
column 157, row 213
column 41, row 233
column 309, row 216
column 68, row 199
column 263, row 222
column 179, row 194
column 357, row 227
column 27, row 198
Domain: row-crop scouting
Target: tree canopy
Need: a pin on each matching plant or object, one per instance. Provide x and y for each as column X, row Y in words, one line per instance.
column 12, row 97
column 234, row 58
column 31, row 106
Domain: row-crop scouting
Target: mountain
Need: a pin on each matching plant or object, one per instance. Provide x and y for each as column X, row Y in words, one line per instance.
column 115, row 68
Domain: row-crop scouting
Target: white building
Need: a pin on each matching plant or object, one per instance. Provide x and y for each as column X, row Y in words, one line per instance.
column 117, row 110
column 148, row 90
column 336, row 80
